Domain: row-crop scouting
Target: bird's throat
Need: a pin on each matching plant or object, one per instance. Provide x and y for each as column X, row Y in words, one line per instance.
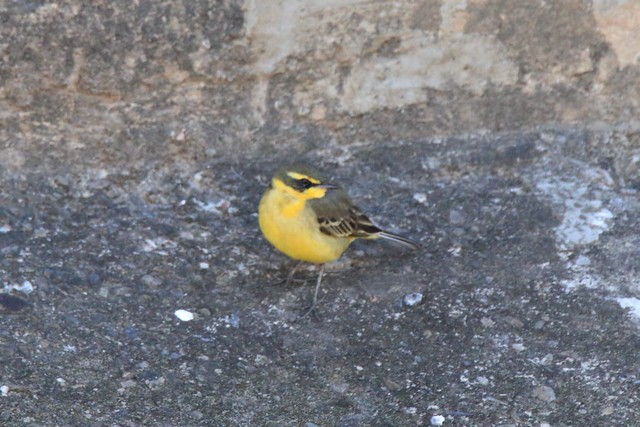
column 293, row 208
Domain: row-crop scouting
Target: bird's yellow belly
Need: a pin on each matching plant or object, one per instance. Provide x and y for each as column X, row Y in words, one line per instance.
column 293, row 229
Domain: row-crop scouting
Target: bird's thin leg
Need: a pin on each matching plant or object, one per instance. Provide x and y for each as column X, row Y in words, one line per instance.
column 315, row 294
column 287, row 281
column 292, row 273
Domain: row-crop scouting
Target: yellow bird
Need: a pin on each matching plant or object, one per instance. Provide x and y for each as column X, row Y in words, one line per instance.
column 311, row 220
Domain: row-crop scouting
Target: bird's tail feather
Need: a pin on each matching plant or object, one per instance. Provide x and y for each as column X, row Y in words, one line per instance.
column 408, row 243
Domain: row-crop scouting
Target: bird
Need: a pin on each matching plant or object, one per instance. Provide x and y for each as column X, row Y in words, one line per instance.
column 312, row 220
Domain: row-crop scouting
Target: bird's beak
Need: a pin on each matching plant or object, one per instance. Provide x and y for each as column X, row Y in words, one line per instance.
column 328, row 186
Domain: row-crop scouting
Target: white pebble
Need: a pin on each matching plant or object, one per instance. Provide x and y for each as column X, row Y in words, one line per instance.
column 518, row 347
column 437, row 420
column 184, row 315
column 25, row 288
column 4, row 390
column 420, row 197
column 482, row 380
column 544, row 393
column 412, row 299
column 204, row 266
column 487, row 323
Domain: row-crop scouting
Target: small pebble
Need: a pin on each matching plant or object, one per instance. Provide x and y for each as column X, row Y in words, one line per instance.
column 339, row 387
column 547, row 359
column 437, row 420
column 412, row 299
column 582, row 261
column 514, row 322
column 184, row 315
column 131, row 332
column 149, row 280
column 25, row 288
column 544, row 393
column 149, row 375
column 204, row 312
column 127, row 383
column 261, row 360
column 4, row 390
column 204, row 265
column 456, row 217
column 487, row 323
column 482, row 380
column 607, row 410
column 518, row 347
column 420, row 197
column 232, row 320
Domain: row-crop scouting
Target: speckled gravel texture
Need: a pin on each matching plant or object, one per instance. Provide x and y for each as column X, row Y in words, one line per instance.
column 496, row 340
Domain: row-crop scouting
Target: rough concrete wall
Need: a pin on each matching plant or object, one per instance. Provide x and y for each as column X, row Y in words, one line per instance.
column 171, row 80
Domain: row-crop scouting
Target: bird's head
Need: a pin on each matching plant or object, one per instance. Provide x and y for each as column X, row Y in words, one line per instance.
column 301, row 182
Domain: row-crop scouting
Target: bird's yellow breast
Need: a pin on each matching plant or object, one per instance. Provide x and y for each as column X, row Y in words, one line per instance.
column 290, row 225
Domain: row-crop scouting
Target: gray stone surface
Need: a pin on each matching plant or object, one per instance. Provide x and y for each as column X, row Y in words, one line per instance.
column 137, row 137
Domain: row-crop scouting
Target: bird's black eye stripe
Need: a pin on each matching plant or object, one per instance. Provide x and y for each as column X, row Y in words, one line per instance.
column 305, row 183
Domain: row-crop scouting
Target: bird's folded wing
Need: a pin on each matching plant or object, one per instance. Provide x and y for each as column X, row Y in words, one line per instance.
column 352, row 223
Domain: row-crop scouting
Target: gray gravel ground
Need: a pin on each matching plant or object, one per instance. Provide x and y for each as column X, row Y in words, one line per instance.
column 497, row 339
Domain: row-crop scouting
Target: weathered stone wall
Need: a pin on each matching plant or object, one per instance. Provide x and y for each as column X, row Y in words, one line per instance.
column 119, row 84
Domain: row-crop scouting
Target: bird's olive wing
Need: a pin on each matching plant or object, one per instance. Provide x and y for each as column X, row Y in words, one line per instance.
column 338, row 217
